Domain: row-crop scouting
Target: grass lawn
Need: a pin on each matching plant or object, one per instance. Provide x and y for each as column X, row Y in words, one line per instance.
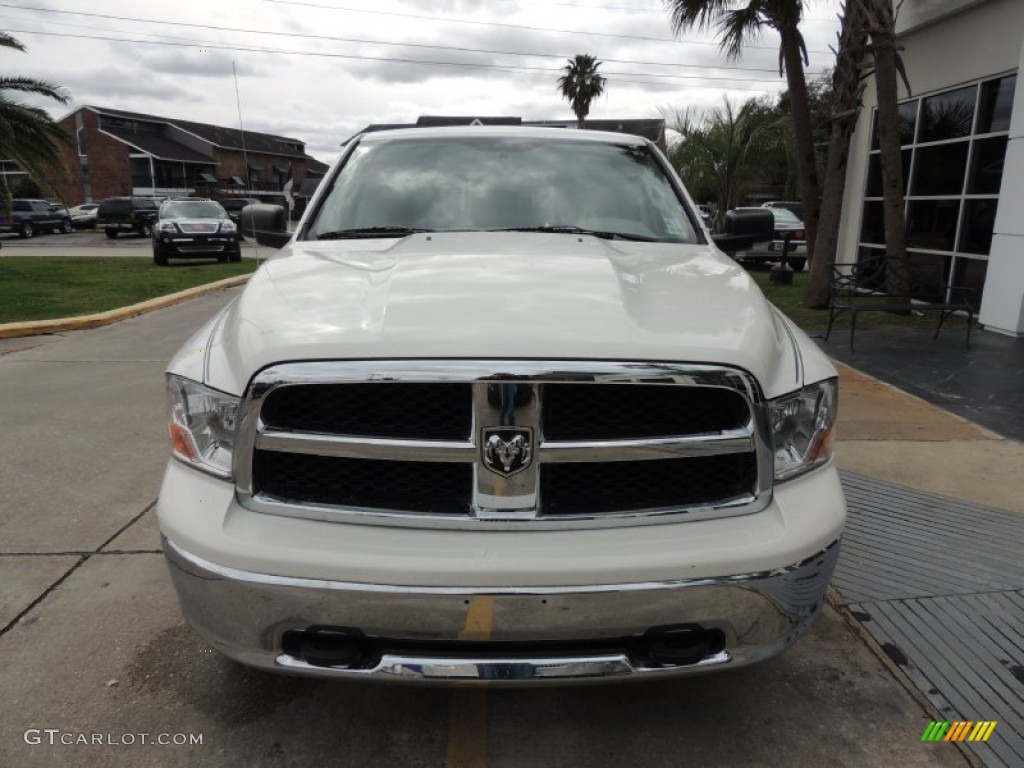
column 48, row 287
column 789, row 299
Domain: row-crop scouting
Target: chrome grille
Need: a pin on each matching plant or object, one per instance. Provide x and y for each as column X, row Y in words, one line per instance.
column 509, row 444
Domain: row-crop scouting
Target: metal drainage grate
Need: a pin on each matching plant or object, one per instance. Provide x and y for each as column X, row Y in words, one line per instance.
column 939, row 583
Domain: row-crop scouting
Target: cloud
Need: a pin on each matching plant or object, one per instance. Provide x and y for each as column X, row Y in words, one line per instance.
column 202, row 62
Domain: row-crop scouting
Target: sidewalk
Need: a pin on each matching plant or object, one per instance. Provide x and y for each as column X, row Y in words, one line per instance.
column 932, row 566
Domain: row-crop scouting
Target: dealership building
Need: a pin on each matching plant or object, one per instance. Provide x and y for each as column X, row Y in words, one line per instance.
column 963, row 153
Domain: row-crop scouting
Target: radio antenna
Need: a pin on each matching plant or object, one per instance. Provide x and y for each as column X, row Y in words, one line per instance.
column 245, row 153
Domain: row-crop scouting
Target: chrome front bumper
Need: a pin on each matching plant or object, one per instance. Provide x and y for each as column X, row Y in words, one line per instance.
column 505, row 636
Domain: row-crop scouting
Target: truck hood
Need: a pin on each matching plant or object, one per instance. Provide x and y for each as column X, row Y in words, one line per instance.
column 497, row 295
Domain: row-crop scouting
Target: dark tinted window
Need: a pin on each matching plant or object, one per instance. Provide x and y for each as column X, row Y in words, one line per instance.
column 996, row 105
column 987, row 166
column 932, row 224
column 948, row 115
column 976, row 228
column 873, row 223
column 939, row 170
column 908, row 121
column 970, row 273
column 875, row 173
column 463, row 183
column 115, row 206
column 21, row 205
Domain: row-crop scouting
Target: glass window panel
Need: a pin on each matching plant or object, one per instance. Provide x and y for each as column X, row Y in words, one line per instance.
column 875, row 173
column 996, row 104
column 970, row 273
column 872, row 228
column 928, row 273
column 948, row 115
column 987, row 166
column 932, row 224
column 908, row 121
column 939, row 170
column 976, row 228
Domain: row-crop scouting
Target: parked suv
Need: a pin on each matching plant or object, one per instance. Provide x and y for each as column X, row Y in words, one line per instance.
column 127, row 214
column 189, row 227
column 30, row 216
column 234, row 206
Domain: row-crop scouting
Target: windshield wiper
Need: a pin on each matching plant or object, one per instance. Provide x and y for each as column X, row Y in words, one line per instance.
column 343, row 234
column 570, row 229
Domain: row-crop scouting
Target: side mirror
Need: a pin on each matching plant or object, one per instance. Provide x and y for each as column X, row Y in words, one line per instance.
column 744, row 228
column 267, row 223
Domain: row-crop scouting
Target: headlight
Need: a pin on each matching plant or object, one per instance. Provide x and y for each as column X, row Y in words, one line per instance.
column 202, row 425
column 802, row 426
column 228, row 226
column 166, row 226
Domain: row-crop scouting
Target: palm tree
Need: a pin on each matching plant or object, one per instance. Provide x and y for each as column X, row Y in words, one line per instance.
column 738, row 21
column 581, row 84
column 28, row 135
column 721, row 154
column 888, row 64
column 847, row 89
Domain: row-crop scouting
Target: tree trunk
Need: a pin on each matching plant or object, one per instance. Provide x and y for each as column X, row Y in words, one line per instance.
column 846, row 102
column 883, row 41
column 803, row 135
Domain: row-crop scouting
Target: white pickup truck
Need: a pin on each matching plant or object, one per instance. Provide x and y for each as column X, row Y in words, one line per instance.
column 500, row 410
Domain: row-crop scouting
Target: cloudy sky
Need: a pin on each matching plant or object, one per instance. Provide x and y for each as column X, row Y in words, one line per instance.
column 320, row 70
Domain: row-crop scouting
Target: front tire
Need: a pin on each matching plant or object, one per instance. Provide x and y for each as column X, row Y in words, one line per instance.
column 159, row 257
column 65, row 227
column 26, row 230
column 146, row 230
column 111, row 233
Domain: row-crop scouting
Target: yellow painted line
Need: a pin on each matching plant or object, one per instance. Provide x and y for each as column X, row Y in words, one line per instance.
column 37, row 327
column 467, row 728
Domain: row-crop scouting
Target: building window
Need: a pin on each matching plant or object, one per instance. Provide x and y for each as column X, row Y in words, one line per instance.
column 83, row 148
column 954, row 145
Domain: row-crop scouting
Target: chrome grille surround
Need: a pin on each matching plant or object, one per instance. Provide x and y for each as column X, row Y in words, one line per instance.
column 503, row 502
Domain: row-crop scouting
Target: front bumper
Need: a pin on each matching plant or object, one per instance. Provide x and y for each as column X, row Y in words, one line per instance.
column 197, row 244
column 500, row 635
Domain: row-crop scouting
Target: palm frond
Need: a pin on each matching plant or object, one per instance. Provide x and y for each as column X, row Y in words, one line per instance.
column 9, row 41
column 36, row 87
column 741, row 26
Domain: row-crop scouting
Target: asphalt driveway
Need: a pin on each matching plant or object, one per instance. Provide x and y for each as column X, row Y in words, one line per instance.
column 95, row 651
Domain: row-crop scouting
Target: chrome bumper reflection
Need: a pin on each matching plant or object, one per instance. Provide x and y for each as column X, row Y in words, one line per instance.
column 245, row 615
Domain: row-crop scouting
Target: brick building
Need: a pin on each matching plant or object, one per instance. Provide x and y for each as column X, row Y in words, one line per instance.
column 129, row 153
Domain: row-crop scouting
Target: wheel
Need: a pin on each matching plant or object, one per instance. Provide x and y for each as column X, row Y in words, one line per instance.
column 111, row 233
column 159, row 257
column 65, row 226
column 146, row 230
column 797, row 265
column 26, row 229
column 237, row 256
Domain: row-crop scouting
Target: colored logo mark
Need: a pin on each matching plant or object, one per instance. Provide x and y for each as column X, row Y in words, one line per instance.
column 959, row 730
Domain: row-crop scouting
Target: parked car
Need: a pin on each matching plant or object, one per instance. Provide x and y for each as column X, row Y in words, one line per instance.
column 191, row 227
column 127, row 214
column 786, row 223
column 793, row 206
column 501, row 367
column 234, row 206
column 84, row 216
column 29, row 216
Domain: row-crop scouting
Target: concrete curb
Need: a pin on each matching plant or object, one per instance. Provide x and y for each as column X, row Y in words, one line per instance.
column 37, row 327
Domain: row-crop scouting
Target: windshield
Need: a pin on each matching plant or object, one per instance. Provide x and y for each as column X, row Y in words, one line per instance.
column 192, row 210
column 782, row 216
column 465, row 183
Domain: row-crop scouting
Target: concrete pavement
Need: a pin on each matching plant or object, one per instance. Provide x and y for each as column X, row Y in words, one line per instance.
column 93, row 642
